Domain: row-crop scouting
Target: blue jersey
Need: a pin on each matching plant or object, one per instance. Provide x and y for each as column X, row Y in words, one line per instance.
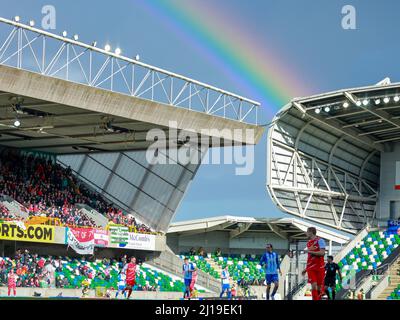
column 271, row 262
column 186, row 270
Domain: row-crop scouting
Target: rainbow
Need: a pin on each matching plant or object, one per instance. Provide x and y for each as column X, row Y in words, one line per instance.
column 240, row 55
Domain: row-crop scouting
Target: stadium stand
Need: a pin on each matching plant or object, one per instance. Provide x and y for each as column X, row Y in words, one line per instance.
column 369, row 253
column 243, row 268
column 45, row 188
column 71, row 273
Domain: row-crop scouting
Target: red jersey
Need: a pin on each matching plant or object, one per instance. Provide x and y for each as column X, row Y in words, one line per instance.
column 131, row 272
column 314, row 262
column 11, row 280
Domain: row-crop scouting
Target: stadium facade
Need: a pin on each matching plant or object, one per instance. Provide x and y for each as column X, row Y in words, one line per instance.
column 333, row 158
column 92, row 109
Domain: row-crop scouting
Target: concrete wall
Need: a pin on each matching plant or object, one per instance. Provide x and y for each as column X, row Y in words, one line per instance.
column 387, row 183
column 8, row 248
column 77, row 293
column 60, row 248
column 250, row 242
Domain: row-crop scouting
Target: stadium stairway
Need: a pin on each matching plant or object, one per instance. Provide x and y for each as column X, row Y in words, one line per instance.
column 91, row 213
column 169, row 262
column 14, row 207
column 217, row 267
column 394, row 280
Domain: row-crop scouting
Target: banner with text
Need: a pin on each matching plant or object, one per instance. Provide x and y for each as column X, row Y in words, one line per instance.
column 101, row 238
column 34, row 233
column 81, row 240
column 394, row 227
column 140, row 241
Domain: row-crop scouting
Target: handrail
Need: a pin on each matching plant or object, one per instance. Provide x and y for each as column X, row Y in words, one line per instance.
column 349, row 246
column 297, row 288
column 387, row 267
column 361, row 276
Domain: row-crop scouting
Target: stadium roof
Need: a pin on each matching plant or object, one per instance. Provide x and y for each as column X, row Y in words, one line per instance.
column 286, row 228
column 324, row 154
column 71, row 97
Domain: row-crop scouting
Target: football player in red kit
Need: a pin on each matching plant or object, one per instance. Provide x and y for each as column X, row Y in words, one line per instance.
column 315, row 268
column 130, row 270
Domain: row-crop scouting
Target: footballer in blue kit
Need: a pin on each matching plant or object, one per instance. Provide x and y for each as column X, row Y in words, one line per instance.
column 270, row 261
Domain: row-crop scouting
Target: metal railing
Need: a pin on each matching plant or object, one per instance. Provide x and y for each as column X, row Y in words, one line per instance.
column 362, row 276
column 381, row 270
column 294, row 285
column 39, row 51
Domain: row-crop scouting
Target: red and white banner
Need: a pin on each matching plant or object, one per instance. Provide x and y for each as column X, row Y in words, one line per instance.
column 81, row 240
column 83, row 234
column 101, row 238
column 397, row 181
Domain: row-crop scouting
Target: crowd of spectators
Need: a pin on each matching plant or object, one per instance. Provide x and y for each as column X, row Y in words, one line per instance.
column 44, row 187
column 199, row 252
column 34, row 271
column 31, row 270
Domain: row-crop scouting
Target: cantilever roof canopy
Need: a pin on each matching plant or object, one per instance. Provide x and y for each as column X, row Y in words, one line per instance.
column 67, row 91
column 60, row 116
column 324, row 154
column 370, row 115
column 287, row 228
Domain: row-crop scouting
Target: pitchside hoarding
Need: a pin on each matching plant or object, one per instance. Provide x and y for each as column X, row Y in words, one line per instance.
column 394, row 227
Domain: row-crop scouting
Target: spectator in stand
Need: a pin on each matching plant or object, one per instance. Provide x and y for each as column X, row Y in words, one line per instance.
column 192, row 251
column 3, row 270
column 49, row 272
column 201, row 252
column 218, row 252
column 233, row 291
column 124, row 260
column 59, row 282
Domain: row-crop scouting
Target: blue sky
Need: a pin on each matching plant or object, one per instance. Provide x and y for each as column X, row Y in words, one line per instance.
column 307, row 34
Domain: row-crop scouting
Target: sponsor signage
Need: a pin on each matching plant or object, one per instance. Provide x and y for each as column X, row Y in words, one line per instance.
column 101, row 238
column 140, row 241
column 32, row 233
column 118, row 234
column 394, row 227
